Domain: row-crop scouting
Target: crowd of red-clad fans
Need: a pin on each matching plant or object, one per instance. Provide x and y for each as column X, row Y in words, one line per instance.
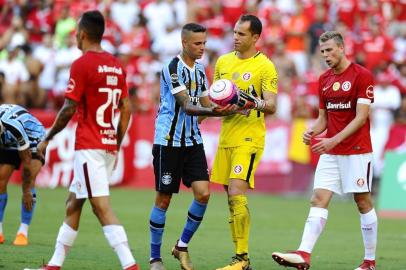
column 37, row 43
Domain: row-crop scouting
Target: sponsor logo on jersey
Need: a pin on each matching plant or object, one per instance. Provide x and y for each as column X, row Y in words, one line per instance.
column 370, row 91
column 238, row 169
column 246, row 76
column 360, row 182
column 166, row 179
column 339, row 106
column 346, row 86
column 336, row 86
column 71, row 86
column 107, row 69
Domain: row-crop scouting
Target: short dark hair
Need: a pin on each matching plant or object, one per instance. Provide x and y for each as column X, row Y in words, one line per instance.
column 255, row 23
column 193, row 27
column 338, row 38
column 92, row 22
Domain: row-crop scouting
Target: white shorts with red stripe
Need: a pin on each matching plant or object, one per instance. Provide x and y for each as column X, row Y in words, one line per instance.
column 92, row 170
column 344, row 173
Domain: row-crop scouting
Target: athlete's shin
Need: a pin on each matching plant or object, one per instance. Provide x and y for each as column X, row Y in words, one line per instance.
column 369, row 229
column 194, row 218
column 241, row 220
column 313, row 228
column 156, row 227
column 64, row 241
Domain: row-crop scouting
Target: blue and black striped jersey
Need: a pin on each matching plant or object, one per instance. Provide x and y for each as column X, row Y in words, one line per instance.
column 173, row 127
column 21, row 129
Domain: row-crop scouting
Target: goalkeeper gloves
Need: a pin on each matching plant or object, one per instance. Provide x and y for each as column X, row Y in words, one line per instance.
column 247, row 101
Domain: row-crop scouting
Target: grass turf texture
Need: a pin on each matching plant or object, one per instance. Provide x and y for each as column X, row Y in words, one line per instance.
column 276, row 225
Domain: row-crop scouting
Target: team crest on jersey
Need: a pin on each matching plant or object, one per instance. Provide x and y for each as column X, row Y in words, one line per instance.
column 246, row 76
column 235, row 76
column 238, row 169
column 336, row 86
column 71, row 86
column 370, row 91
column 166, row 179
column 360, row 182
column 346, row 86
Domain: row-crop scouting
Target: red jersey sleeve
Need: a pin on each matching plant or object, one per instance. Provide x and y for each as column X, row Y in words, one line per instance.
column 365, row 86
column 76, row 84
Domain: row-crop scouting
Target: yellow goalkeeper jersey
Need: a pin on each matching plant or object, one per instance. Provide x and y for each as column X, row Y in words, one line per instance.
column 254, row 76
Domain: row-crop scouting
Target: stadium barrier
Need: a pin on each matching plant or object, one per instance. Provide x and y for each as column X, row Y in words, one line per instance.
column 134, row 167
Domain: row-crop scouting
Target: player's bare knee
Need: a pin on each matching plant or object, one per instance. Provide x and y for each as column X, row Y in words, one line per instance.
column 163, row 200
column 3, row 185
column 203, row 197
column 319, row 200
column 364, row 203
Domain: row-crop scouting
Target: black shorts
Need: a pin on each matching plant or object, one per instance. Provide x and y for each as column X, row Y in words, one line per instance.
column 11, row 157
column 171, row 164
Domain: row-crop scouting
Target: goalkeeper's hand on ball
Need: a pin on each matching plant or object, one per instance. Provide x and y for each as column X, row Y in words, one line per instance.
column 247, row 102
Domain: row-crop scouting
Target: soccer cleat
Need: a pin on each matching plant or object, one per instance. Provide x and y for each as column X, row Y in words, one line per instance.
column 238, row 262
column 156, row 264
column 21, row 240
column 133, row 267
column 1, row 238
column 367, row 265
column 45, row 267
column 182, row 254
column 296, row 259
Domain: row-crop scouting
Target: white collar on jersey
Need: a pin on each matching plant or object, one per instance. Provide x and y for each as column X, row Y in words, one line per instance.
column 189, row 68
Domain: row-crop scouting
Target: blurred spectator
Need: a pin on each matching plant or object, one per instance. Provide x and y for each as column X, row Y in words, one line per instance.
column 160, row 16
column 64, row 27
column 387, row 99
column 125, row 14
column 296, row 30
column 16, row 75
column 316, row 28
column 34, row 96
column 15, row 35
column 2, row 85
column 397, row 133
column 40, row 20
column 63, row 60
column 46, row 54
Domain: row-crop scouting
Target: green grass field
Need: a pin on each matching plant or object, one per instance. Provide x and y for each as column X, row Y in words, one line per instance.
column 277, row 224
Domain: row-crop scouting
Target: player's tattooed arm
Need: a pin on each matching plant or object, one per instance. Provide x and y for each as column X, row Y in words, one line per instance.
column 125, row 114
column 62, row 119
column 64, row 115
column 182, row 98
column 269, row 105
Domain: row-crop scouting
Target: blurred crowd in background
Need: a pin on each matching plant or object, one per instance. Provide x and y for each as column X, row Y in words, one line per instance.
column 37, row 43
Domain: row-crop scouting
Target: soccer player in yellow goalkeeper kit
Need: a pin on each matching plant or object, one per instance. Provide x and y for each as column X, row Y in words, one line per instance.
column 242, row 137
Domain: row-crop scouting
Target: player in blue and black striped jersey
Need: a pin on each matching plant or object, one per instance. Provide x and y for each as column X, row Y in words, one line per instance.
column 178, row 147
column 20, row 132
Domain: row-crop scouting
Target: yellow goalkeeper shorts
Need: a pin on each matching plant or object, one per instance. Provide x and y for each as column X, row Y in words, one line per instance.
column 236, row 163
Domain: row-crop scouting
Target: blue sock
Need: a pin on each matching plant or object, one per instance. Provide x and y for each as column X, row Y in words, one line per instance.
column 156, row 227
column 3, row 203
column 194, row 218
column 26, row 216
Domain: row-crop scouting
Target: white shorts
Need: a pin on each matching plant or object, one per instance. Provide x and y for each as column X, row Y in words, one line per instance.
column 92, row 170
column 344, row 173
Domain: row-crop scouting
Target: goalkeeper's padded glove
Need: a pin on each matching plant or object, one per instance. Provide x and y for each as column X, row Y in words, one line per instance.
column 247, row 101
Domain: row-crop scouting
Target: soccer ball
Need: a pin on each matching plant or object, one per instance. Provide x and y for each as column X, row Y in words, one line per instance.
column 223, row 92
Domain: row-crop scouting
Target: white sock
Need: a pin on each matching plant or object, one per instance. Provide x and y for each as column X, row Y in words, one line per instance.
column 314, row 226
column 1, row 227
column 181, row 243
column 117, row 238
column 369, row 229
column 64, row 242
column 23, row 229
